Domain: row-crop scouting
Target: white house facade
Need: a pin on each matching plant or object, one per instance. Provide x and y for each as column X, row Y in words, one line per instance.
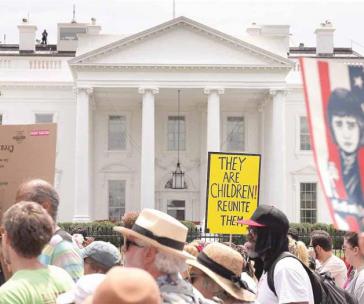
column 114, row 99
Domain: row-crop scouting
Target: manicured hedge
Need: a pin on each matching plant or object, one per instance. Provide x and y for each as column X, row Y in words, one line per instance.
column 304, row 231
column 100, row 230
column 103, row 230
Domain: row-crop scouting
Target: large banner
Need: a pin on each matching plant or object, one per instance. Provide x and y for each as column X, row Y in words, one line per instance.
column 232, row 191
column 334, row 95
column 26, row 152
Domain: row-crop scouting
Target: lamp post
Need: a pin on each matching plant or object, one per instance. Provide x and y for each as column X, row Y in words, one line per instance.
column 178, row 176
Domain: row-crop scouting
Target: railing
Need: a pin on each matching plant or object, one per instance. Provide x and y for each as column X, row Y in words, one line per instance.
column 43, row 64
column 5, row 63
column 108, row 235
column 20, row 63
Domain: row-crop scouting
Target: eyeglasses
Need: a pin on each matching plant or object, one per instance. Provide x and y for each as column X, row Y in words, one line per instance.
column 346, row 247
column 129, row 243
column 252, row 230
column 193, row 277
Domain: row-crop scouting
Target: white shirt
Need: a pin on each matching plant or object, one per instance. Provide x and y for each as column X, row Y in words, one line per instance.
column 336, row 267
column 291, row 282
column 252, row 284
column 356, row 286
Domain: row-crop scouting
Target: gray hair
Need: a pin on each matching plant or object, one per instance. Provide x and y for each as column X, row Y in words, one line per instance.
column 39, row 191
column 167, row 263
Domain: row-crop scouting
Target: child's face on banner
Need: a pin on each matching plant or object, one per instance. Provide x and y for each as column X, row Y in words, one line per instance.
column 347, row 132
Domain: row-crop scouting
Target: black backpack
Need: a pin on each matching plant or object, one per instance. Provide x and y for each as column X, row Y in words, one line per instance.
column 323, row 285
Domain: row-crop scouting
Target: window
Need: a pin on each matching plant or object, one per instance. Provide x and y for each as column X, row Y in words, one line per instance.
column 305, row 144
column 176, row 208
column 117, row 132
column 308, row 202
column 44, row 118
column 173, row 133
column 235, row 133
column 1, row 119
column 116, row 199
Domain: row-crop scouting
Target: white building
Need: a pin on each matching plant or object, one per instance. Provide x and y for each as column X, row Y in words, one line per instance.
column 114, row 99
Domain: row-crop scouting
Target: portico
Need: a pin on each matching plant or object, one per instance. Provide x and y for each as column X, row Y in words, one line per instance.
column 220, row 78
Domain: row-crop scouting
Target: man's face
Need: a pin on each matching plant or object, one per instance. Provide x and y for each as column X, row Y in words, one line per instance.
column 315, row 251
column 347, row 132
column 134, row 253
column 250, row 245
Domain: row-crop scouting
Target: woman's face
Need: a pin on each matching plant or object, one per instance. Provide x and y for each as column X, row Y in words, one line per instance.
column 349, row 252
column 347, row 132
column 203, row 283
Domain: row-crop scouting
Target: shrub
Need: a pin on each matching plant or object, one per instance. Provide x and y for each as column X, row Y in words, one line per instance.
column 100, row 230
column 190, row 225
column 304, row 232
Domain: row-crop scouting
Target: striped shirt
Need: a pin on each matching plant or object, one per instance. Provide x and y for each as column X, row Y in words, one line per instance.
column 64, row 254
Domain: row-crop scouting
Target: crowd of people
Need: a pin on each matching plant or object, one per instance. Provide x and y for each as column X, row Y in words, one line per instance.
column 43, row 264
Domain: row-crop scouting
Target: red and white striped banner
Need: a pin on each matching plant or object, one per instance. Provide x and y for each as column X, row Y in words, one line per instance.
column 334, row 94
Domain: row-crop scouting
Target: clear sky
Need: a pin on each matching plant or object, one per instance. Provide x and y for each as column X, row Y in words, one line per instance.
column 230, row 16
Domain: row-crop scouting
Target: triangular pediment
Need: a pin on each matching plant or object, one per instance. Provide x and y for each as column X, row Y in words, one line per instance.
column 308, row 170
column 181, row 42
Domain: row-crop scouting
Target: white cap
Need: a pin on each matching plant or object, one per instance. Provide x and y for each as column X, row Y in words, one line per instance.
column 85, row 287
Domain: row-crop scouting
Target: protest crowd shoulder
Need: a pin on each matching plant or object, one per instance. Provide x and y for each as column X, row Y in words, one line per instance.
column 155, row 265
column 61, row 250
column 28, row 228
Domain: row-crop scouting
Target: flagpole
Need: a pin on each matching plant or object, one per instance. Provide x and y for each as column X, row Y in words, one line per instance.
column 174, row 9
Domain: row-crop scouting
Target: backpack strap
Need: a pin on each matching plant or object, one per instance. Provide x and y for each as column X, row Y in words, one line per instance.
column 316, row 287
column 270, row 274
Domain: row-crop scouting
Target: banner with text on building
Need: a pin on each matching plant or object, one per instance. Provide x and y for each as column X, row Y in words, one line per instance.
column 232, row 191
column 334, row 93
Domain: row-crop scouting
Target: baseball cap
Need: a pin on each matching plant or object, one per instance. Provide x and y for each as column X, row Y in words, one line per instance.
column 104, row 253
column 268, row 216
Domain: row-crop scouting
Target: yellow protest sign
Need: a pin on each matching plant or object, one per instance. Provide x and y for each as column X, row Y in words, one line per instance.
column 232, row 191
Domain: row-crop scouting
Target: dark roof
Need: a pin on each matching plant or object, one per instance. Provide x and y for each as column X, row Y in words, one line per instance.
column 40, row 50
column 339, row 52
column 51, row 50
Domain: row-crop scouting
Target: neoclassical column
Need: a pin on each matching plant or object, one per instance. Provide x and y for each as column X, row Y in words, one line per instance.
column 274, row 155
column 213, row 118
column 147, row 181
column 83, row 155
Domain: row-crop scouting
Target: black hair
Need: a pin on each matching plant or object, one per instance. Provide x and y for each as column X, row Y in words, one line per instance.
column 352, row 238
column 293, row 232
column 343, row 102
column 321, row 238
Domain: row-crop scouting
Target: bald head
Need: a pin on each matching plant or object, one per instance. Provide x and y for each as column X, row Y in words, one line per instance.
column 41, row 192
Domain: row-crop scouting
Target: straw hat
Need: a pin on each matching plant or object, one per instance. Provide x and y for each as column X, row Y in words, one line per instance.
column 159, row 230
column 124, row 285
column 223, row 265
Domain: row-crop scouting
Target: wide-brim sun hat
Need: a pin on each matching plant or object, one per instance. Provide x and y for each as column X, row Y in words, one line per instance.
column 224, row 266
column 159, row 230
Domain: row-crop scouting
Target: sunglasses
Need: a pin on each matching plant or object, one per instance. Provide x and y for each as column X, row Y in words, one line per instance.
column 129, row 243
column 193, row 276
column 252, row 230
